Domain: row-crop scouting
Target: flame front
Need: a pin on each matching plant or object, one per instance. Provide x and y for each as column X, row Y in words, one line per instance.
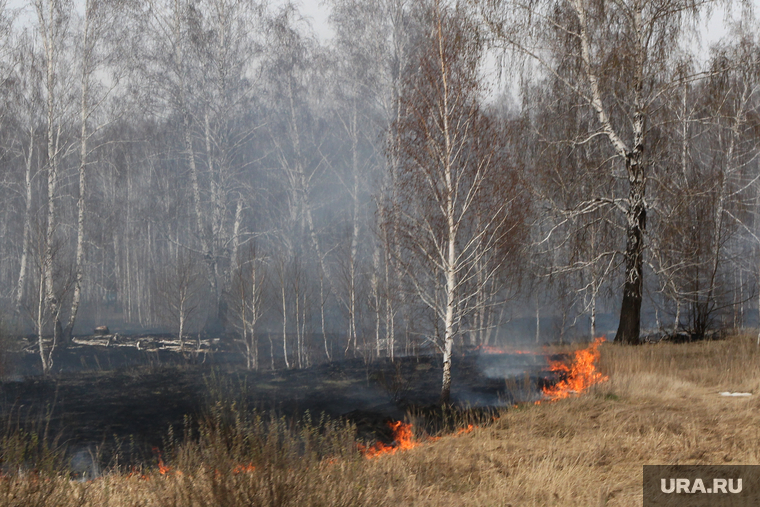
column 162, row 468
column 462, row 431
column 579, row 375
column 402, row 437
column 403, row 440
column 243, row 469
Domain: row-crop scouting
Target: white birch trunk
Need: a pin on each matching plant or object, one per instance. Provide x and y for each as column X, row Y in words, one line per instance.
column 451, row 289
column 284, row 317
column 83, row 115
column 253, row 350
column 721, row 197
column 21, row 285
column 322, row 313
column 236, row 235
column 450, row 263
column 182, row 326
column 52, row 158
column 40, row 324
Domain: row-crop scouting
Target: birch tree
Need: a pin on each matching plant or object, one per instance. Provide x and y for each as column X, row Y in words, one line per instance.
column 735, row 108
column 372, row 47
column 246, row 301
column 450, row 171
column 202, row 59
column 27, row 100
column 179, row 291
column 99, row 17
column 358, row 47
column 53, row 17
column 225, row 42
column 612, row 57
column 297, row 139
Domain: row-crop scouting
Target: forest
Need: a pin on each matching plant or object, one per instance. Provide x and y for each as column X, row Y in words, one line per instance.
column 212, row 166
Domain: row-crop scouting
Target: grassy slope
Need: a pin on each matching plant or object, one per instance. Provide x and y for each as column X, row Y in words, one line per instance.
column 660, row 406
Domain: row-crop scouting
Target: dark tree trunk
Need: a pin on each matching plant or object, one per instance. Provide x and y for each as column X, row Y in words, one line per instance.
column 630, row 311
column 67, row 334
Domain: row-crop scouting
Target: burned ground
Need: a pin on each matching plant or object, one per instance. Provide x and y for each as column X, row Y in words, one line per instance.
column 124, row 400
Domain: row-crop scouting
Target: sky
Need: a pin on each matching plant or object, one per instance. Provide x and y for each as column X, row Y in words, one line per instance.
column 317, row 14
column 712, row 28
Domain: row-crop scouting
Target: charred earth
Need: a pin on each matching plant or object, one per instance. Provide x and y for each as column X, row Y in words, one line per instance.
column 121, row 395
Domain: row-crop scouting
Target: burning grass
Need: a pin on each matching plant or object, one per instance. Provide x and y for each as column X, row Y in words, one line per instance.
column 577, row 375
column 403, row 440
column 660, row 406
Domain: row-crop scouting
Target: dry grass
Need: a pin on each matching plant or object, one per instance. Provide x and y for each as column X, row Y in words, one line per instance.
column 660, row 406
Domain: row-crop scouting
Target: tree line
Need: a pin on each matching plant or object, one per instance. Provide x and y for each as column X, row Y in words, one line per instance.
column 211, row 165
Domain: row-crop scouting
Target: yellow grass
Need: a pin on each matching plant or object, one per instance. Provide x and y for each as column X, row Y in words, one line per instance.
column 660, row 406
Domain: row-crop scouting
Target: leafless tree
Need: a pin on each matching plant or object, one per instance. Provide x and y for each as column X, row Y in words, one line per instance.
column 40, row 313
column 99, row 18
column 25, row 104
column 202, row 59
column 297, row 140
column 53, row 18
column 281, row 270
column 456, row 197
column 179, row 292
column 245, row 300
column 612, row 57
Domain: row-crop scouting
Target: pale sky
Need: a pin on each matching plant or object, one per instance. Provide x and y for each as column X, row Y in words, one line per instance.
column 317, row 15
column 713, row 28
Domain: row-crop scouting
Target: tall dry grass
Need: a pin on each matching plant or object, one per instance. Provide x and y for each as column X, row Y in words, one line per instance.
column 660, row 406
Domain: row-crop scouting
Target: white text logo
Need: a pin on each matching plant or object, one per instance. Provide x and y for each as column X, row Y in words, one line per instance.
column 698, row 486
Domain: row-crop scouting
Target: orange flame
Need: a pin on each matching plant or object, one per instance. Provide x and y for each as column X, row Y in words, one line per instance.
column 164, row 469
column 135, row 473
column 579, row 375
column 244, row 469
column 462, row 431
column 402, row 437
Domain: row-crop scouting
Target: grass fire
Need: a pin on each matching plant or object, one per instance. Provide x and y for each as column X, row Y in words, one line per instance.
column 403, row 439
column 577, row 376
column 360, row 252
column 615, row 409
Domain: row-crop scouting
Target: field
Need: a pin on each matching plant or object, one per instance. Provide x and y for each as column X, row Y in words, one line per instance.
column 661, row 405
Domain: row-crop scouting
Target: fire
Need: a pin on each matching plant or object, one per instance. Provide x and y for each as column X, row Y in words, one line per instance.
column 579, row 375
column 402, row 437
column 168, row 471
column 244, row 469
column 135, row 473
column 162, row 468
column 462, row 431
column 403, row 440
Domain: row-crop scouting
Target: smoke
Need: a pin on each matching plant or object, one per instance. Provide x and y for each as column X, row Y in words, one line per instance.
column 510, row 365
